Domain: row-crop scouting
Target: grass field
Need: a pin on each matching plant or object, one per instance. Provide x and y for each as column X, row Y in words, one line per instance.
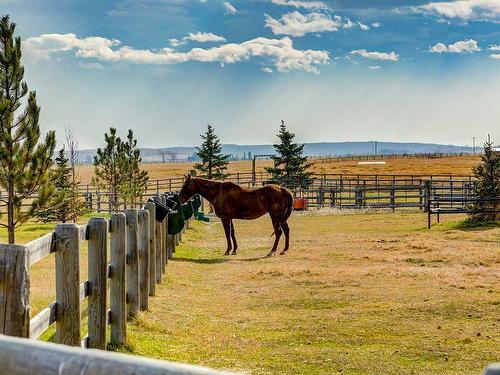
column 371, row 293
column 360, row 293
column 460, row 165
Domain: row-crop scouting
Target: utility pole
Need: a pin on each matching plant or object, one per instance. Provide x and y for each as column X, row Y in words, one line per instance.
column 473, row 145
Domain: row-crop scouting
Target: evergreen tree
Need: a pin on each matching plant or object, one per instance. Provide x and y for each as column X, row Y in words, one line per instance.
column 488, row 183
column 213, row 163
column 25, row 161
column 107, row 168
column 134, row 179
column 290, row 167
column 62, row 208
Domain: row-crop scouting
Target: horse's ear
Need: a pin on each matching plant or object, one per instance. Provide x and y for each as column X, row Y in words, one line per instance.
column 188, row 177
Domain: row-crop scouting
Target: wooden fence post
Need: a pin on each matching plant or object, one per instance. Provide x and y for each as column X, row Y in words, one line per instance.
column 150, row 206
column 170, row 245
column 117, row 284
column 132, row 275
column 158, row 259
column 164, row 228
column 14, row 291
column 143, row 226
column 68, row 284
column 98, row 276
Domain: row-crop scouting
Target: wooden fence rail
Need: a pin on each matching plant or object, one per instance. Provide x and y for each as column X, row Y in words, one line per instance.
column 26, row 357
column 137, row 259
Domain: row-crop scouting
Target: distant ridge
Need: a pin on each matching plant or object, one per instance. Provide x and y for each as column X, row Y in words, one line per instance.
column 310, row 149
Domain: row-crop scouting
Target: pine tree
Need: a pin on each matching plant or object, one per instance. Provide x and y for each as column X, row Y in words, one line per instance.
column 25, row 161
column 61, row 208
column 107, row 168
column 213, row 163
column 290, row 167
column 488, row 183
column 134, row 179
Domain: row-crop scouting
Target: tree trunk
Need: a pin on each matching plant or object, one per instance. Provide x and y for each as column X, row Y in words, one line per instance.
column 10, row 213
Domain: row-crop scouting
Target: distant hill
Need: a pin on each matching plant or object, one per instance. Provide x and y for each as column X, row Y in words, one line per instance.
column 310, row 149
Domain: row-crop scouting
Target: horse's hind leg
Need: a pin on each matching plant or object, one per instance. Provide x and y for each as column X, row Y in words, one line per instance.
column 286, row 231
column 233, row 236
column 227, row 230
column 277, row 234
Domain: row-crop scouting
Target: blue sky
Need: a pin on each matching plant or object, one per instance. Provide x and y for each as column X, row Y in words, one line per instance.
column 333, row 70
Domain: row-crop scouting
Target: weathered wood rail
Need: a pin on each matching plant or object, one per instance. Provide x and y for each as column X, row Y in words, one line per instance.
column 26, row 357
column 136, row 259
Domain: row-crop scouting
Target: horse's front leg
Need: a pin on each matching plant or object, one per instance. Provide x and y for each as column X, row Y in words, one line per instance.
column 233, row 236
column 227, row 230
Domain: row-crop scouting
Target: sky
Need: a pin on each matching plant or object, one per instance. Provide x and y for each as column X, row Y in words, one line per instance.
column 395, row 70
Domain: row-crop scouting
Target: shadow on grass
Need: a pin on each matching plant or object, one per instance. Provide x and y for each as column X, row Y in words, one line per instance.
column 474, row 225
column 201, row 261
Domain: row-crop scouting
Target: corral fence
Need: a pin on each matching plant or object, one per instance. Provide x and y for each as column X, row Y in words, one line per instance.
column 324, row 190
column 347, row 191
column 357, row 157
column 139, row 249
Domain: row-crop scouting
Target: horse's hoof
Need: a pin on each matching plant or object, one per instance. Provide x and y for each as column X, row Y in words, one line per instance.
column 234, row 253
column 227, row 253
column 283, row 252
column 271, row 253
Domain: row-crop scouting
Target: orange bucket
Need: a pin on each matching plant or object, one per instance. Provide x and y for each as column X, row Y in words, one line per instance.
column 300, row 204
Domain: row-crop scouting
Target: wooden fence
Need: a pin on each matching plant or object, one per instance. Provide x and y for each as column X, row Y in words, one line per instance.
column 26, row 357
column 139, row 249
column 424, row 155
column 340, row 187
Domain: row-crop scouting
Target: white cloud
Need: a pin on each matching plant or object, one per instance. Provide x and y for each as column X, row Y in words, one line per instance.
column 374, row 67
column 462, row 46
column 363, row 26
column 374, row 55
column 494, row 47
column 91, row 65
column 298, row 24
column 279, row 52
column 197, row 37
column 495, row 56
column 376, row 25
column 229, row 8
column 302, row 4
column 463, row 9
column 267, row 70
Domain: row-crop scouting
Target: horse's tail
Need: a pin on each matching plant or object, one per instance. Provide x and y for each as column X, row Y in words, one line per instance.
column 289, row 207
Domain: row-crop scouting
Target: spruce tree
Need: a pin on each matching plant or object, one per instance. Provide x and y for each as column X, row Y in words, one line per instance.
column 60, row 209
column 213, row 163
column 134, row 181
column 25, row 161
column 487, row 184
column 290, row 167
column 107, row 168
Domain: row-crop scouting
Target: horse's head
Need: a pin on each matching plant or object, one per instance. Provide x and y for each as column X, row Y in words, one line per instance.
column 188, row 189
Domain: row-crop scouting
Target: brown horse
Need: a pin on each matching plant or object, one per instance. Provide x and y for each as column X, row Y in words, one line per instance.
column 231, row 201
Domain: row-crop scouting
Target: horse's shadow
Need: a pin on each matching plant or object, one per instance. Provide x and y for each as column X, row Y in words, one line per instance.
column 201, row 261
column 216, row 260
